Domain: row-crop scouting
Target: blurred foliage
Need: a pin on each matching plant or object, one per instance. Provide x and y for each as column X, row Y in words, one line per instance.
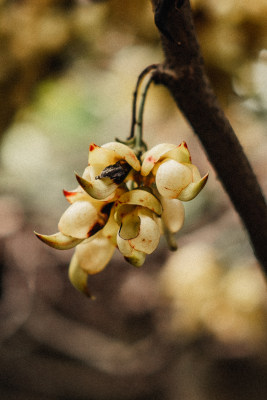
column 181, row 329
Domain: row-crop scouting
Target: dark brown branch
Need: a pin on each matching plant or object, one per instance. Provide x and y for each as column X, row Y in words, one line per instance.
column 184, row 75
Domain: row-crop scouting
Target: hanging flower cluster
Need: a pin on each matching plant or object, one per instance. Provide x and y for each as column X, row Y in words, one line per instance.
column 127, row 197
column 126, row 202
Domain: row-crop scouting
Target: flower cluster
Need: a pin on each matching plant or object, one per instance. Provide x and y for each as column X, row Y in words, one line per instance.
column 124, row 202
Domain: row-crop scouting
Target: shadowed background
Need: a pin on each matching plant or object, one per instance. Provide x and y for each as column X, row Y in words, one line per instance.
column 188, row 325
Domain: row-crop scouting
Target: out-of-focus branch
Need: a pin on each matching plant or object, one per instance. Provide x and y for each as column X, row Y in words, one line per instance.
column 184, row 75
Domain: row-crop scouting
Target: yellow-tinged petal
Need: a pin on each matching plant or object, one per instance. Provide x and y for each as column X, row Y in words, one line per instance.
column 79, row 220
column 78, row 277
column 134, row 257
column 122, row 210
column 75, row 195
column 95, row 255
column 139, row 197
column 192, row 190
column 164, row 150
column 180, row 154
column 152, row 156
column 195, row 172
column 124, row 246
column 89, row 176
column 99, row 189
column 89, row 173
column 173, row 214
column 130, row 226
column 100, row 158
column 80, row 194
column 124, row 152
column 172, row 177
column 59, row 241
column 149, row 235
column 111, row 228
column 137, row 258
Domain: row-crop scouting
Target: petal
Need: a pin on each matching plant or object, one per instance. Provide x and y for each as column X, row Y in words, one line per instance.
column 149, row 235
column 79, row 219
column 124, row 152
column 137, row 258
column 77, row 276
column 100, row 158
column 124, row 246
column 139, row 197
column 80, row 194
column 95, row 255
column 172, row 177
column 170, row 239
column 130, row 226
column 76, row 195
column 173, row 214
column 111, row 228
column 195, row 172
column 180, row 154
column 152, row 156
column 121, row 211
column 89, row 175
column 99, row 189
column 164, row 150
column 192, row 190
column 59, row 241
column 134, row 257
column 146, row 241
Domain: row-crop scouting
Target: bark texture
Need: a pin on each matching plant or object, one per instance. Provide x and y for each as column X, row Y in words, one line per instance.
column 184, row 75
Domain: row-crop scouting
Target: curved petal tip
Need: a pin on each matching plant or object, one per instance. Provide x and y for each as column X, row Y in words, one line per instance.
column 137, row 259
column 99, row 189
column 193, row 189
column 59, row 241
column 78, row 277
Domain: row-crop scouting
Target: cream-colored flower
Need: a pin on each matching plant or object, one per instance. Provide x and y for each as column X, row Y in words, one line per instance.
column 175, row 176
column 138, row 235
column 104, row 214
column 93, row 254
column 109, row 166
column 82, row 219
column 88, row 224
column 137, row 214
column 89, row 259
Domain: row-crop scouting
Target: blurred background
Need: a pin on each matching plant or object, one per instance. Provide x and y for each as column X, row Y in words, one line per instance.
column 190, row 325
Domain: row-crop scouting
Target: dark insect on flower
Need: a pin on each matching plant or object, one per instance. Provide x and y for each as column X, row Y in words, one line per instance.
column 116, row 172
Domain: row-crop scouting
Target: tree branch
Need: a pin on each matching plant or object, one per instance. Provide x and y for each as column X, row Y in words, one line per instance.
column 184, row 75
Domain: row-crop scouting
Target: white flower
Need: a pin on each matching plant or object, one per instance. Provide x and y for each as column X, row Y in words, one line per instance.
column 90, row 258
column 109, row 166
column 138, row 235
column 175, row 176
column 104, row 214
column 136, row 212
column 88, row 224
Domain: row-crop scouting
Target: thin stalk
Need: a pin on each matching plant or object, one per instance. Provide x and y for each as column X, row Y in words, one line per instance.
column 139, row 122
column 135, row 95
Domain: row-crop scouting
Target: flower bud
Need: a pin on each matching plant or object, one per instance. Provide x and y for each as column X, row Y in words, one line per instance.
column 171, row 178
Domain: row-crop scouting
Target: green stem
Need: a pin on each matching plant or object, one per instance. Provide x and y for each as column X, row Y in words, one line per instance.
column 140, row 79
column 135, row 140
column 139, row 135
